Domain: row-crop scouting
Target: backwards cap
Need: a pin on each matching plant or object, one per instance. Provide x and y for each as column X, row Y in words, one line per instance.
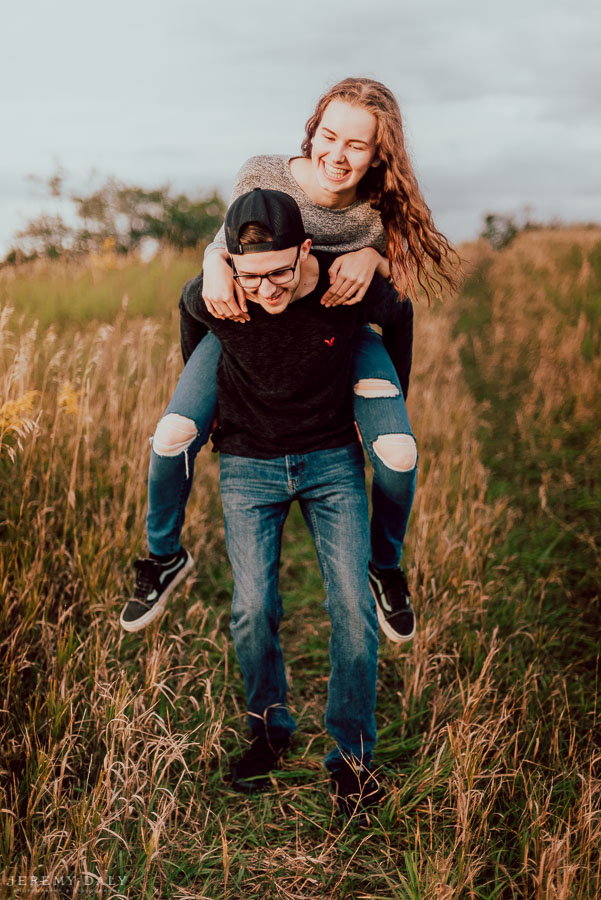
column 277, row 211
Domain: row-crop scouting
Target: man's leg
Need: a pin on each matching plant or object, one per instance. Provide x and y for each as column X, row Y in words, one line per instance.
column 256, row 499
column 334, row 504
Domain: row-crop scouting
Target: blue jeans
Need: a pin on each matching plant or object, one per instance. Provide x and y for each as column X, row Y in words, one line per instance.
column 256, row 495
column 392, row 491
column 195, row 397
column 170, row 477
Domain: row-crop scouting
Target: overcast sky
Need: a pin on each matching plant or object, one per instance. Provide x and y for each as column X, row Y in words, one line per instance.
column 501, row 101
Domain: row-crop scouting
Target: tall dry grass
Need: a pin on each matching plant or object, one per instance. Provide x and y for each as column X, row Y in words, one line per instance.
column 115, row 747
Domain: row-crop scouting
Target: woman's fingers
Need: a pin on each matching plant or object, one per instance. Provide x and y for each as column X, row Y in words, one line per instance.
column 351, row 275
column 214, row 307
column 241, row 297
column 355, row 298
column 226, row 308
column 344, row 290
column 223, row 297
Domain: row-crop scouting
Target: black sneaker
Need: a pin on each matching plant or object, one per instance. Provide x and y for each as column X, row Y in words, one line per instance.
column 250, row 773
column 357, row 791
column 154, row 583
column 395, row 613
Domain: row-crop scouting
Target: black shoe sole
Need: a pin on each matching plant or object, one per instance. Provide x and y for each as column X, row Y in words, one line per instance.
column 388, row 630
column 159, row 607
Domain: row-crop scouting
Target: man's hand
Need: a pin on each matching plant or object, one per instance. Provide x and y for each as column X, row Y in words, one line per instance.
column 223, row 297
column 350, row 276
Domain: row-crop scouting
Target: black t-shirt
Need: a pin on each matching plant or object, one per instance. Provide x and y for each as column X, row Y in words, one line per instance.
column 284, row 380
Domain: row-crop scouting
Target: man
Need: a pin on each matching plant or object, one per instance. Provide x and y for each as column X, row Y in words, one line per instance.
column 286, row 433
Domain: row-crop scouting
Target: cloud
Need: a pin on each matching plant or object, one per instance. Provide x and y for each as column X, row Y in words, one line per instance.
column 500, row 100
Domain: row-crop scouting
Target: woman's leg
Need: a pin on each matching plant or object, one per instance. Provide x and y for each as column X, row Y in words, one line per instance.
column 383, row 423
column 183, row 430
column 180, row 434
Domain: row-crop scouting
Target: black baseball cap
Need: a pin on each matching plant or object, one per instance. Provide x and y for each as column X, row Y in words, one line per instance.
column 275, row 210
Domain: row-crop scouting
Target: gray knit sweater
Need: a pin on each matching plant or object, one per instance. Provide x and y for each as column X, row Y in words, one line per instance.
column 335, row 230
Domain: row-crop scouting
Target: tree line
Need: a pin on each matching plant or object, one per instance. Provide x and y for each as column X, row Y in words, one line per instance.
column 117, row 217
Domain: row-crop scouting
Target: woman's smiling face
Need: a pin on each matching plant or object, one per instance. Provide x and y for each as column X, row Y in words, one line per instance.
column 343, row 150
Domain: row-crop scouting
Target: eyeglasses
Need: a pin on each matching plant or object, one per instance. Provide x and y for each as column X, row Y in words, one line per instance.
column 279, row 276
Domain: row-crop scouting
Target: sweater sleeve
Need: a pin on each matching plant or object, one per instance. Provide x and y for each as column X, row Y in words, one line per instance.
column 395, row 316
column 192, row 317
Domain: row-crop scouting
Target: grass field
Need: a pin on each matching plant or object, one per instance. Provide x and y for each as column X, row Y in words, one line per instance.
column 114, row 747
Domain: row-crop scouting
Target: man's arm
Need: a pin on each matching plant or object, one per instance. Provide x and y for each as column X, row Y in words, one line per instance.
column 384, row 307
column 192, row 313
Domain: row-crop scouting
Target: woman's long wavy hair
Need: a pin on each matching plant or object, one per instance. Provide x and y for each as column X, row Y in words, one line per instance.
column 416, row 250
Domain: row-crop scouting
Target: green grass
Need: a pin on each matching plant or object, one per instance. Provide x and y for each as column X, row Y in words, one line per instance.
column 60, row 294
column 116, row 747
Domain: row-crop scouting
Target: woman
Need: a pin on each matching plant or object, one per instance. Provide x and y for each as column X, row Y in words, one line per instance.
column 359, row 198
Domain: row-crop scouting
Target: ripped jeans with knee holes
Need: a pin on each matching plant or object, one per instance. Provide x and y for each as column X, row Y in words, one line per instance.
column 381, row 417
column 383, row 422
column 193, row 405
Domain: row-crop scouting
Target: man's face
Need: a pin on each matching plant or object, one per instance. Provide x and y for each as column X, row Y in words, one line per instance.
column 274, row 298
